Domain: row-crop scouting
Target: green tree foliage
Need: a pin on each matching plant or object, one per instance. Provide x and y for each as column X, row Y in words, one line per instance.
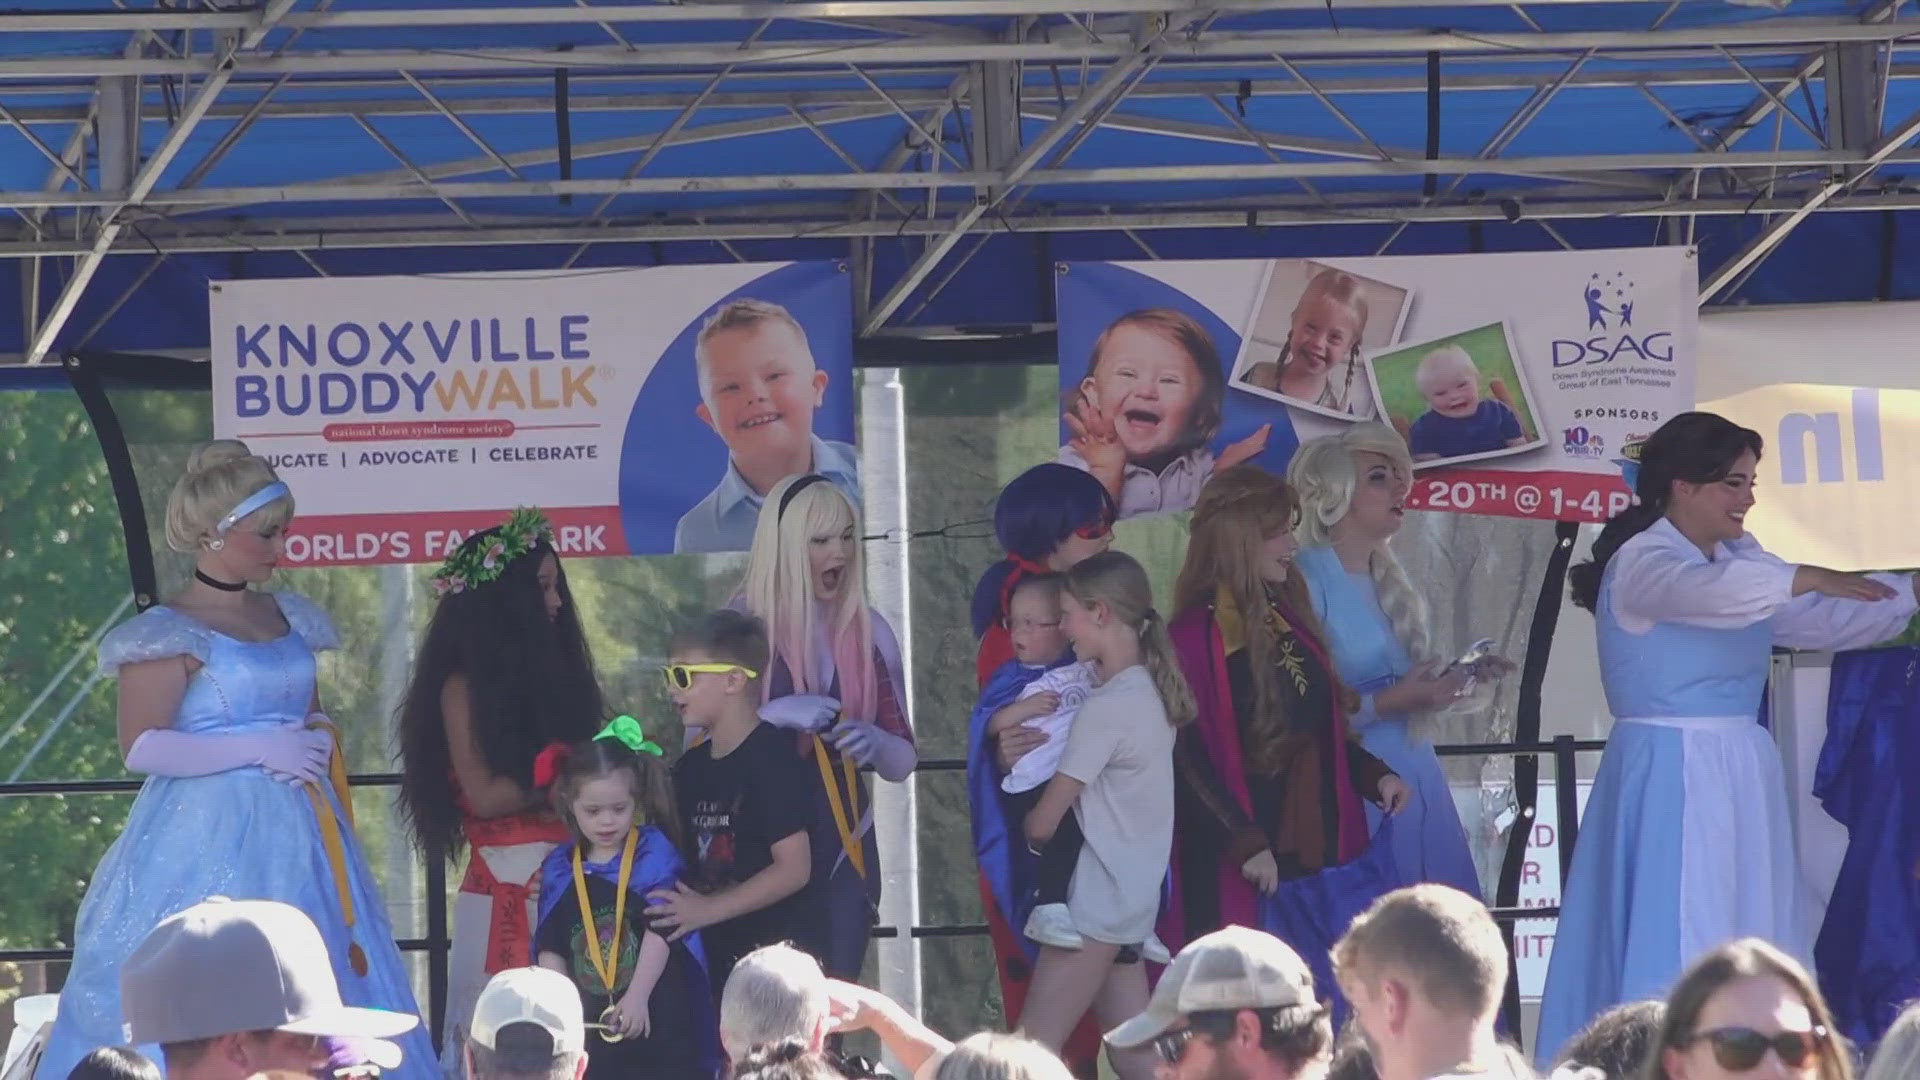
column 62, row 574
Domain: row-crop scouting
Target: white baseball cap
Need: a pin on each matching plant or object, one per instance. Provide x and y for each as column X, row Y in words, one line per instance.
column 537, row 996
column 1227, row 970
column 225, row 966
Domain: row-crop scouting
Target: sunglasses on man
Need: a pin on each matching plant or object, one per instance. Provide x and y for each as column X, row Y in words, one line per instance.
column 1216, row 1025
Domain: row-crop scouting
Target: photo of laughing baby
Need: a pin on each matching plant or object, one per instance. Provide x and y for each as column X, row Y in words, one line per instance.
column 1144, row 418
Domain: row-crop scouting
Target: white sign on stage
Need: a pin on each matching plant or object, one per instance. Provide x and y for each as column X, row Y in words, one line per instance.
column 1539, row 888
column 646, row 409
column 1518, row 380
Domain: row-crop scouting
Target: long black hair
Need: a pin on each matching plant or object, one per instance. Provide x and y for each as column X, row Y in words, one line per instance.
column 1697, row 447
column 530, row 679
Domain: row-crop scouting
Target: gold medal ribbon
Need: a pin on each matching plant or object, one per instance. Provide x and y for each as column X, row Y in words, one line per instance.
column 608, row 967
column 846, row 815
column 334, row 842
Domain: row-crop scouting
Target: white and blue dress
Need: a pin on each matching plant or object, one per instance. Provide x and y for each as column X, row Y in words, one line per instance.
column 1429, row 843
column 1686, row 842
column 241, row 834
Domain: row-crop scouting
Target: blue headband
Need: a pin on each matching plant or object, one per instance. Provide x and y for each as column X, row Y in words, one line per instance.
column 270, row 493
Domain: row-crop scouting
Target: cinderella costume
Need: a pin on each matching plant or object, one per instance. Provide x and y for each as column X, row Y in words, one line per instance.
column 1429, row 843
column 241, row 833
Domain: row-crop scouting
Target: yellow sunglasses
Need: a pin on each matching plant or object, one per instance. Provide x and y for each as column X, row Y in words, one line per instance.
column 680, row 676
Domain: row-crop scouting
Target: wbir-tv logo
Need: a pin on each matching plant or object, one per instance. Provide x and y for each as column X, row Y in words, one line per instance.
column 1611, row 335
column 1580, row 442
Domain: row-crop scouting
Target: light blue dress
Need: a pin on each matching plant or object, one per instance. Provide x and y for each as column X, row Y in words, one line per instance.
column 1686, row 842
column 240, row 834
column 1428, row 841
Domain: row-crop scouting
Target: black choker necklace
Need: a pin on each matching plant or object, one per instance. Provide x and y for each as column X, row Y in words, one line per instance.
column 223, row 586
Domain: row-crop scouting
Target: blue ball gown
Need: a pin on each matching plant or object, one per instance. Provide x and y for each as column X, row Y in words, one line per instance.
column 241, row 834
column 1429, row 843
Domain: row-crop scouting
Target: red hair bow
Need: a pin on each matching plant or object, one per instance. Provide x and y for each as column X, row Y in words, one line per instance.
column 546, row 764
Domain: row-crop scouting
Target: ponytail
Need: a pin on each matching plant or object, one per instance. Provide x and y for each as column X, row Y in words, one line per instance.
column 1156, row 654
column 1697, row 447
column 1113, row 578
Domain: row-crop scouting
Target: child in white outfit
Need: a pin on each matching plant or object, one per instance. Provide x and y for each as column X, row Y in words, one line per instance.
column 1047, row 704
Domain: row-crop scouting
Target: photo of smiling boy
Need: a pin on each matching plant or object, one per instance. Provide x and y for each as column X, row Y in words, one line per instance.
column 1143, row 419
column 759, row 387
column 1458, row 421
column 1458, row 398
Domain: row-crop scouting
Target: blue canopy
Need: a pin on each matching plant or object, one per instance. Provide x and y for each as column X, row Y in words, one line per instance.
column 951, row 149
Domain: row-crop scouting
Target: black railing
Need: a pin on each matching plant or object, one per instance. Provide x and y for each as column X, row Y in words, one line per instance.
column 436, row 942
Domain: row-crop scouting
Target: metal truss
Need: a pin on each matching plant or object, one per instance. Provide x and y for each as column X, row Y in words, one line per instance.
column 1228, row 114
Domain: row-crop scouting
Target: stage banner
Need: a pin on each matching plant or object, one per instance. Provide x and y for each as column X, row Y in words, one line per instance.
column 1519, row 381
column 645, row 410
column 1841, row 469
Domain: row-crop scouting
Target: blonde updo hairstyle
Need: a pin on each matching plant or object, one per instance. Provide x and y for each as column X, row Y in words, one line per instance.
column 219, row 476
column 1324, row 475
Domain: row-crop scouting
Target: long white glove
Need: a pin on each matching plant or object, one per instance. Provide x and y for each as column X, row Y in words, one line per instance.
column 867, row 744
column 812, row 713
column 294, row 753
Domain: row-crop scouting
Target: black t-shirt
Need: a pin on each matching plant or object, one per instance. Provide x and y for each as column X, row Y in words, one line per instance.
column 670, row 1049
column 735, row 809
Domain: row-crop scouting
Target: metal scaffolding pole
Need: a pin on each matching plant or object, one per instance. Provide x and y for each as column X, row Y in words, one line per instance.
column 261, row 23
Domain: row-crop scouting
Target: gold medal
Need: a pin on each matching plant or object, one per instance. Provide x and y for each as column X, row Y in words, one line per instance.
column 607, row 1029
column 608, row 966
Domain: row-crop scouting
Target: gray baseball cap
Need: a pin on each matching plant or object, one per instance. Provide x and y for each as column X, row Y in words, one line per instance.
column 1229, row 969
column 224, row 966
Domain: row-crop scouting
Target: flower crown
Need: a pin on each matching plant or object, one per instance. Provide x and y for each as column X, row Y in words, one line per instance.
column 472, row 566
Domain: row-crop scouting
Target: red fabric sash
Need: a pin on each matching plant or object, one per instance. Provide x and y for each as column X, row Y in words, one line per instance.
column 509, row 937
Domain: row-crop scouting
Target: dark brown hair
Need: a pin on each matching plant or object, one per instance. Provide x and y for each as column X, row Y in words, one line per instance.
column 529, row 676
column 1694, row 447
column 647, row 773
column 1746, row 958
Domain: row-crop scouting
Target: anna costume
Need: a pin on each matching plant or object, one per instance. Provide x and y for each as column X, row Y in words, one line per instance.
column 1300, row 799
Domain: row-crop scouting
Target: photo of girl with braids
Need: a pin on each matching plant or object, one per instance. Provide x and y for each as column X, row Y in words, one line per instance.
column 1307, row 332
column 650, row 994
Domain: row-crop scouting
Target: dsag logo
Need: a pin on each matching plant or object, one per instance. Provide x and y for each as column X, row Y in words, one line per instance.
column 1581, row 443
column 1611, row 334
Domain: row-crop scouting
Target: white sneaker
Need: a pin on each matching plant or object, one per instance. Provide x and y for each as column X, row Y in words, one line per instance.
column 1050, row 924
column 1154, row 951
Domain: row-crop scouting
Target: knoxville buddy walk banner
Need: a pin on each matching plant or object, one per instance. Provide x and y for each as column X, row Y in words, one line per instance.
column 1517, row 380
column 645, row 410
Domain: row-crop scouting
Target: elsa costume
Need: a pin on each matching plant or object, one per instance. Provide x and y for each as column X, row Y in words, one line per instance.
column 1686, row 843
column 242, row 833
column 1429, row 843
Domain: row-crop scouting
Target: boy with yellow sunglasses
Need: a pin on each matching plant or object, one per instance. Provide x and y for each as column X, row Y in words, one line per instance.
column 742, row 803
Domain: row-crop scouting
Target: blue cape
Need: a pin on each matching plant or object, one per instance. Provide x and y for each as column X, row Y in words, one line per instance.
column 1868, row 953
column 656, row 865
column 999, row 844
